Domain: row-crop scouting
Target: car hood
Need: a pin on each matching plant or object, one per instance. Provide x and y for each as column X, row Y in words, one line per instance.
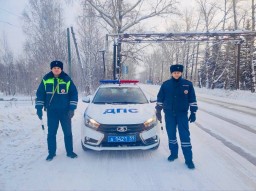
column 120, row 114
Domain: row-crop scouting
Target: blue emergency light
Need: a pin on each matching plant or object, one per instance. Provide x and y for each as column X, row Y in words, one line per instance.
column 119, row 81
column 109, row 81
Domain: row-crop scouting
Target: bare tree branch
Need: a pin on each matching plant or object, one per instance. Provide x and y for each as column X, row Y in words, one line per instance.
column 103, row 14
column 115, row 12
column 132, row 7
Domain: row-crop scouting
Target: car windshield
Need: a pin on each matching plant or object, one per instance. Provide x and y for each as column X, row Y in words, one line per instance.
column 119, row 95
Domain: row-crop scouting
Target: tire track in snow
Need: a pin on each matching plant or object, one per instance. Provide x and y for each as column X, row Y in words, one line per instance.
column 230, row 121
column 230, row 145
column 231, row 106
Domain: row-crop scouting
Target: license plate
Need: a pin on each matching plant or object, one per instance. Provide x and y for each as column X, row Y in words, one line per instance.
column 122, row 139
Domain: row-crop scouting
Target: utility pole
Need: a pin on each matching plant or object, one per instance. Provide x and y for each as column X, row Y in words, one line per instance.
column 69, row 53
column 162, row 71
column 78, row 57
column 253, row 65
column 238, row 66
column 103, row 59
column 114, row 61
column 186, row 69
column 196, row 79
column 106, row 56
column 77, row 52
column 118, row 62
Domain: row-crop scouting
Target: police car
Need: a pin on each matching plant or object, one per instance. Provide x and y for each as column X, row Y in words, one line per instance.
column 119, row 116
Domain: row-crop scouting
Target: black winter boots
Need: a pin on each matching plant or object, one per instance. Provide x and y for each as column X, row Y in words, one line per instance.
column 190, row 164
column 72, row 155
column 50, row 157
column 172, row 157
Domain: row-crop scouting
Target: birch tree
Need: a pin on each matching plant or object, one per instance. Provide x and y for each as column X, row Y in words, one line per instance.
column 91, row 42
column 234, row 14
column 252, row 48
column 8, row 75
column 121, row 15
column 208, row 11
column 45, row 34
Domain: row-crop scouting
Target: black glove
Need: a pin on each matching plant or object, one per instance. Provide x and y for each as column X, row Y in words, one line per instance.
column 192, row 117
column 159, row 116
column 71, row 113
column 39, row 113
column 158, row 113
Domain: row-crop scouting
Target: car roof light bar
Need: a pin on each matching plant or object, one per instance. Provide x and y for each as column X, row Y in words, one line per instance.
column 128, row 81
column 109, row 81
column 119, row 81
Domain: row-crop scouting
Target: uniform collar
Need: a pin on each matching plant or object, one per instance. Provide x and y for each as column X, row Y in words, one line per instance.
column 62, row 75
column 176, row 80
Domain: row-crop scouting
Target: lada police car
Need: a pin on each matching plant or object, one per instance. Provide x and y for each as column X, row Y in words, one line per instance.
column 120, row 116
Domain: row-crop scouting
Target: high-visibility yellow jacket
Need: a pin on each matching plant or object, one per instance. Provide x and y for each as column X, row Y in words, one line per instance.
column 56, row 93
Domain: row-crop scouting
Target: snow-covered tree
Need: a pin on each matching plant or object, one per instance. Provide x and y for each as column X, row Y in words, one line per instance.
column 92, row 69
column 45, row 34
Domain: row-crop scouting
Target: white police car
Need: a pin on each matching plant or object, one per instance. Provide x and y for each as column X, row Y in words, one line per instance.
column 120, row 116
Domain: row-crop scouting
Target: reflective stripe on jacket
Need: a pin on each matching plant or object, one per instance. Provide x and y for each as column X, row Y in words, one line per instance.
column 62, row 88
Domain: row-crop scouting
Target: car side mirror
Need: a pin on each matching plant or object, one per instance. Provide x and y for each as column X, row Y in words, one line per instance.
column 152, row 99
column 86, row 99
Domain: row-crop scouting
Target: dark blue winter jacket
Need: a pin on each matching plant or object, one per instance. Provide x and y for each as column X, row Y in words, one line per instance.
column 177, row 96
column 65, row 96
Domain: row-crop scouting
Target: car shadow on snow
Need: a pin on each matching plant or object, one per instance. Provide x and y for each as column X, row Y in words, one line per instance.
column 121, row 154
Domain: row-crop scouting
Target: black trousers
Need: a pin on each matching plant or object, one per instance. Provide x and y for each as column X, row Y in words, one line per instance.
column 53, row 119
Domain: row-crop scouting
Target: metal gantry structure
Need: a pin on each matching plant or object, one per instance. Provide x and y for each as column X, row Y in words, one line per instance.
column 184, row 36
column 236, row 36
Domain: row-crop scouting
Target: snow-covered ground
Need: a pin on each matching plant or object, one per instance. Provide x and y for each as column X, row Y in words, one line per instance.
column 223, row 140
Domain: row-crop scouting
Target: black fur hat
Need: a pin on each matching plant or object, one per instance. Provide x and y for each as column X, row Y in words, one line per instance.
column 56, row 63
column 176, row 68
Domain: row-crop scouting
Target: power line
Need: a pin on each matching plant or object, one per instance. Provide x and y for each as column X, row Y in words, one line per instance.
column 9, row 24
column 10, row 12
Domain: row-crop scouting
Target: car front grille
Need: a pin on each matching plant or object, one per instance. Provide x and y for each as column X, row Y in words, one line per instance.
column 137, row 143
column 114, row 128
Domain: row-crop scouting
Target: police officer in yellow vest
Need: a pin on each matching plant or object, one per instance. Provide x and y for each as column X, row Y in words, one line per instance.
column 57, row 94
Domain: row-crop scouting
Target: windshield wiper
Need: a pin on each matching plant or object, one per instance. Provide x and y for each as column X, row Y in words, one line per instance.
column 129, row 102
column 99, row 102
column 115, row 103
column 104, row 102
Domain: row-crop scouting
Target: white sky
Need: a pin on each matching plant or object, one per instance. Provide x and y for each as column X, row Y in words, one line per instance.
column 11, row 22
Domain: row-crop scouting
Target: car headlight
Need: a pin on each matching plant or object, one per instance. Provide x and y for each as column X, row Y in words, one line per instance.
column 89, row 122
column 151, row 122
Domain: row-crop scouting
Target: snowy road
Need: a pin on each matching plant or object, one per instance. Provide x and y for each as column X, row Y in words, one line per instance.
column 231, row 124
column 223, row 140
column 236, row 107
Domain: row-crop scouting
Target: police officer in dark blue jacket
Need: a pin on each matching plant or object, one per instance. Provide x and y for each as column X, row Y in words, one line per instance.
column 57, row 94
column 176, row 96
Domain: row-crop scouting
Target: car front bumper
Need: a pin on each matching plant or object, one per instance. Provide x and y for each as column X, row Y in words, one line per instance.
column 97, row 140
